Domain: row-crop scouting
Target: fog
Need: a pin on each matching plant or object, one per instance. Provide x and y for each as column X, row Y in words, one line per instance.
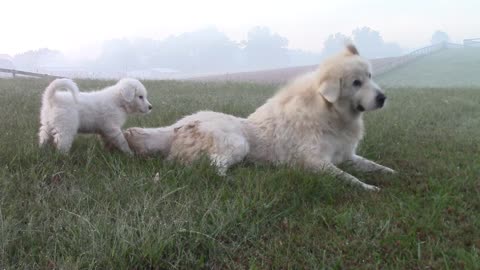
column 156, row 39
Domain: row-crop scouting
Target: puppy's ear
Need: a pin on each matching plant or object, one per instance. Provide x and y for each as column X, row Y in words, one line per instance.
column 330, row 90
column 128, row 93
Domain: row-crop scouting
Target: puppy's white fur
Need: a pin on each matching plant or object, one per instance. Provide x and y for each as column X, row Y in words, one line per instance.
column 314, row 122
column 64, row 114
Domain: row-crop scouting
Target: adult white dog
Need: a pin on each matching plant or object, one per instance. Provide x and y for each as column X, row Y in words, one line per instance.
column 314, row 122
column 64, row 114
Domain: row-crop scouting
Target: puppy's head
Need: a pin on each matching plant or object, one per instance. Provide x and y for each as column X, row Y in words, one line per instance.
column 135, row 95
column 346, row 82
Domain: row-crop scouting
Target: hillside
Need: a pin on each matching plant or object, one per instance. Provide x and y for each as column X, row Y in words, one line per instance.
column 446, row 68
column 273, row 76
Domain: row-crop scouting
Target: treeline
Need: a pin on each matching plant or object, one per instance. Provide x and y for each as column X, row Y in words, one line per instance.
column 210, row 50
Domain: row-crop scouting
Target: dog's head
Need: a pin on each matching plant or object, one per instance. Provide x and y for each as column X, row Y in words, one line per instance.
column 134, row 95
column 345, row 81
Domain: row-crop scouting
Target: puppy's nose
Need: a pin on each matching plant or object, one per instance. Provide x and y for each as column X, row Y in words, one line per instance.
column 380, row 99
column 150, row 107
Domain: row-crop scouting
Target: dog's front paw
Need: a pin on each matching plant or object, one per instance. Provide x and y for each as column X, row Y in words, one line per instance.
column 370, row 187
column 388, row 170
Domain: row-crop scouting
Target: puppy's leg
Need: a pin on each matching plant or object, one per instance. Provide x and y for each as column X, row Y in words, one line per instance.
column 114, row 136
column 63, row 141
column 365, row 165
column 325, row 166
column 107, row 143
column 44, row 136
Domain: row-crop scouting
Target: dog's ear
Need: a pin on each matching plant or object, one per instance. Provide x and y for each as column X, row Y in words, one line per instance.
column 128, row 93
column 330, row 90
column 351, row 49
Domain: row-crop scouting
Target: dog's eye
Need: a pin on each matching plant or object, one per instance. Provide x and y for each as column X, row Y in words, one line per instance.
column 140, row 97
column 357, row 83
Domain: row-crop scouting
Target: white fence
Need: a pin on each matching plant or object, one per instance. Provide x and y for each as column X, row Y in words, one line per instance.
column 15, row 72
column 393, row 62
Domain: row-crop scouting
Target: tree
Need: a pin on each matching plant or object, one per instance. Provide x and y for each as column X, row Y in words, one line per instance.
column 117, row 55
column 368, row 41
column 439, row 37
column 371, row 44
column 264, row 49
column 205, row 50
column 334, row 44
column 32, row 60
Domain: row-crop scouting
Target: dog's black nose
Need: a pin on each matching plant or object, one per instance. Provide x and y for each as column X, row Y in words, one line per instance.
column 380, row 99
column 150, row 107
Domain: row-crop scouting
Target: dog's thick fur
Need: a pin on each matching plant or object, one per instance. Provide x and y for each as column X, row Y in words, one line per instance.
column 64, row 114
column 314, row 122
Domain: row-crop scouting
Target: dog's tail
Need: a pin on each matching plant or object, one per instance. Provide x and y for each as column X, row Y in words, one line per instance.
column 57, row 84
column 144, row 141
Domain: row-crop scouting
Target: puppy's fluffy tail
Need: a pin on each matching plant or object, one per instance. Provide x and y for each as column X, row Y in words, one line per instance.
column 58, row 84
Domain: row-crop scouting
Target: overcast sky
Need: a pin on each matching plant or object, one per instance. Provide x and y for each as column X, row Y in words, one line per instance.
column 71, row 26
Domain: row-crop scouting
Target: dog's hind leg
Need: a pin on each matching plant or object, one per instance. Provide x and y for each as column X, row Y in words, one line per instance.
column 44, row 136
column 221, row 163
column 230, row 149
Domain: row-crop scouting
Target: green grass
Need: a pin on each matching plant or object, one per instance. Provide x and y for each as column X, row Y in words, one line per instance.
column 453, row 68
column 95, row 209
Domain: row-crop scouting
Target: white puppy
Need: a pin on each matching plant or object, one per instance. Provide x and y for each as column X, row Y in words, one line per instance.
column 314, row 122
column 65, row 114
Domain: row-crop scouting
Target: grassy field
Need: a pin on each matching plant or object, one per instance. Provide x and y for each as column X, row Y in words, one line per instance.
column 454, row 68
column 95, row 209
